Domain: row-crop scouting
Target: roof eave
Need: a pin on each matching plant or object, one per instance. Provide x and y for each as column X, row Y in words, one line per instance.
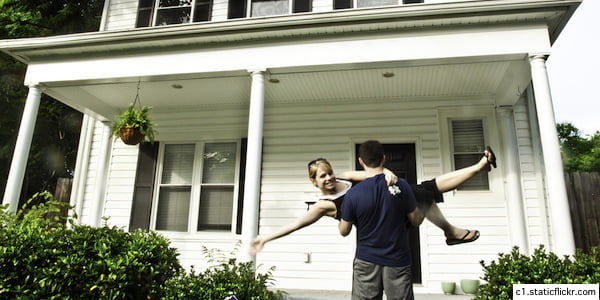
column 22, row 49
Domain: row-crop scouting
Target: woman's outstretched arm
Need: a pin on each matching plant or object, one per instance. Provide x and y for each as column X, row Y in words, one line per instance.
column 316, row 211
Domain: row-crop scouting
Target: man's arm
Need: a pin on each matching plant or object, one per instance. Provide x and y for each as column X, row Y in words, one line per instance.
column 345, row 227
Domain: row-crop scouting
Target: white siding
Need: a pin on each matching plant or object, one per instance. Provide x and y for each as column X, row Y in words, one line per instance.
column 295, row 133
column 120, row 184
column 92, row 174
column 532, row 181
column 121, row 14
column 219, row 11
column 322, row 5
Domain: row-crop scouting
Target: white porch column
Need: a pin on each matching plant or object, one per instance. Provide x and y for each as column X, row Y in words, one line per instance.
column 97, row 208
column 512, row 180
column 14, row 182
column 562, row 231
column 253, row 164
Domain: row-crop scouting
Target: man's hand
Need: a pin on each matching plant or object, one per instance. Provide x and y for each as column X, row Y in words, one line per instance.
column 390, row 177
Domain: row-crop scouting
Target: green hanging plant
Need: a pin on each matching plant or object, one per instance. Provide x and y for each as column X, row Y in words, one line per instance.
column 134, row 125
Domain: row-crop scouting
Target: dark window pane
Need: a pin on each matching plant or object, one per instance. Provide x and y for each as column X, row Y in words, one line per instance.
column 146, row 4
column 170, row 3
column 302, row 6
column 144, row 18
column 342, row 4
column 236, row 9
column 173, row 208
column 203, row 10
column 173, row 16
column 411, row 1
column 216, row 207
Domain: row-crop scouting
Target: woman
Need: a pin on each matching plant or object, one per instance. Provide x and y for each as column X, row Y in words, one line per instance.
column 427, row 194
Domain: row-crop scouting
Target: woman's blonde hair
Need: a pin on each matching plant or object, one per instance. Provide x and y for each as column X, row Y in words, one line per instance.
column 319, row 163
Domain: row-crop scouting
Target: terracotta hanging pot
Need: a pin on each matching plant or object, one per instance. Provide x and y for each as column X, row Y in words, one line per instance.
column 130, row 135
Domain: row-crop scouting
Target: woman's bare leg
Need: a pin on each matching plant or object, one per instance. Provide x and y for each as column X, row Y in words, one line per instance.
column 449, row 181
column 435, row 216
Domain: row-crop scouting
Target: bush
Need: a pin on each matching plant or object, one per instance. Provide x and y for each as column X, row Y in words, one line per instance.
column 540, row 268
column 41, row 258
column 217, row 281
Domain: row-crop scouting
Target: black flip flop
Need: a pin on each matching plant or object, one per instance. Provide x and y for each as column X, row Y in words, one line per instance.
column 492, row 161
column 462, row 240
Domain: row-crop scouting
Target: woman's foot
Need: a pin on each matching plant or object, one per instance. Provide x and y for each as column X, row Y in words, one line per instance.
column 466, row 236
column 491, row 157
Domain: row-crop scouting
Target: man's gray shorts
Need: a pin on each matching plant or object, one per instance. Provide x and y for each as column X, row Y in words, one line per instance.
column 370, row 280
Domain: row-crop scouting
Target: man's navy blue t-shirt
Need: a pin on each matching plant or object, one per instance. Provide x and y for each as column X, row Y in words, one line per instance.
column 380, row 220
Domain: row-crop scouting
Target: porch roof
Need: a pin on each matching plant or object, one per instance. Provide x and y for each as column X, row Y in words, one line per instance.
column 495, row 76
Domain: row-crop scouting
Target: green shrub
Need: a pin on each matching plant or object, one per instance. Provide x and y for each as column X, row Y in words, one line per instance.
column 228, row 275
column 41, row 258
column 541, row 267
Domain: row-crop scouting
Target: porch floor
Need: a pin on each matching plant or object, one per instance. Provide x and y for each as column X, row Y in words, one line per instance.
column 293, row 294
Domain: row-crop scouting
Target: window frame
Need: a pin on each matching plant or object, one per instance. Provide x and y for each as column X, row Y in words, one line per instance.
column 446, row 116
column 196, row 187
column 155, row 10
column 290, row 11
column 455, row 153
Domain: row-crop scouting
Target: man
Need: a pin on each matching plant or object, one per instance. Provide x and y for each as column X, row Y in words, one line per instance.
column 380, row 213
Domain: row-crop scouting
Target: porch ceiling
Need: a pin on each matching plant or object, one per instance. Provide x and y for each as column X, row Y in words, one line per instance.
column 496, row 81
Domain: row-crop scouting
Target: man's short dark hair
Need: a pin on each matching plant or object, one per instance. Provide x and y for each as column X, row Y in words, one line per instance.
column 371, row 153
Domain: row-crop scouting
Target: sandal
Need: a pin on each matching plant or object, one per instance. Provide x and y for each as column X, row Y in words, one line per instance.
column 491, row 161
column 463, row 240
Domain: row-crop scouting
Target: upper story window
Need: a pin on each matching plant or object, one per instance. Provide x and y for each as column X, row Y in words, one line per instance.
column 167, row 12
column 260, row 8
column 344, row 4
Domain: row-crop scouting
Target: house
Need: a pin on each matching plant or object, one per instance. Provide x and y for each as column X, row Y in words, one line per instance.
column 246, row 92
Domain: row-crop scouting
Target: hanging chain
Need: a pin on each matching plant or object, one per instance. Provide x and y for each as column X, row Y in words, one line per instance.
column 137, row 95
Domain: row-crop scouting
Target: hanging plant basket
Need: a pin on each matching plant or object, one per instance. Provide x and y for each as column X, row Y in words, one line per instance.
column 134, row 125
column 131, row 135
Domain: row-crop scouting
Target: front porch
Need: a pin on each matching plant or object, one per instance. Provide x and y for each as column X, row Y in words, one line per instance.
column 339, row 295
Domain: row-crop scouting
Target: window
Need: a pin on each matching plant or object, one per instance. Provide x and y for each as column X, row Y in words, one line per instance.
column 468, row 146
column 261, row 8
column 166, row 12
column 197, row 187
column 344, row 4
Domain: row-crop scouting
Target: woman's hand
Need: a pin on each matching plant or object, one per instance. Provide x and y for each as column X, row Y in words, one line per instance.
column 257, row 245
column 390, row 177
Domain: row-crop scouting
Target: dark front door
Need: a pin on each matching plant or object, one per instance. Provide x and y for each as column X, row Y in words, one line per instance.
column 400, row 159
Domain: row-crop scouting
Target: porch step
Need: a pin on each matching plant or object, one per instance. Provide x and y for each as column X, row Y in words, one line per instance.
column 293, row 294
